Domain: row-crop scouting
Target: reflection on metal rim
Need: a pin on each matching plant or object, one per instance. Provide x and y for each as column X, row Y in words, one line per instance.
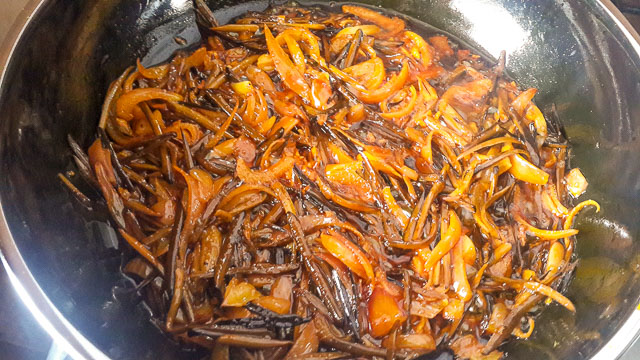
column 45, row 313
column 630, row 330
column 625, row 26
column 622, row 340
column 46, row 323
column 495, row 37
column 79, row 347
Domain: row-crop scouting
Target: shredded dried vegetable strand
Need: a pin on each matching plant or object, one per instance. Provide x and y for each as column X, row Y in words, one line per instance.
column 310, row 183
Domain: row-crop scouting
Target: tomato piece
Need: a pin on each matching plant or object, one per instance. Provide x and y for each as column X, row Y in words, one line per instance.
column 278, row 305
column 412, row 341
column 395, row 83
column 239, row 293
column 384, row 311
column 454, row 309
column 370, row 72
column 576, row 182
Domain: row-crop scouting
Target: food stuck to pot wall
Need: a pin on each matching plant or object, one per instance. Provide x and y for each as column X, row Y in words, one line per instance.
column 319, row 185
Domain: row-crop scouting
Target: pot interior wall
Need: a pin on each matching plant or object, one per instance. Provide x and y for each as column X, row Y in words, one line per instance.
column 72, row 49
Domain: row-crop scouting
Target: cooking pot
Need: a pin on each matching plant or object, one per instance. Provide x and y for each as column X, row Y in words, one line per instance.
column 583, row 56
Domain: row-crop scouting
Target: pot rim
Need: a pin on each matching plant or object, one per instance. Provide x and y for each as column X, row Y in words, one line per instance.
column 629, row 332
column 65, row 335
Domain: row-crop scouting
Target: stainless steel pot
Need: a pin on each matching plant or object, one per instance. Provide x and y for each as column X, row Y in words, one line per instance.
column 582, row 55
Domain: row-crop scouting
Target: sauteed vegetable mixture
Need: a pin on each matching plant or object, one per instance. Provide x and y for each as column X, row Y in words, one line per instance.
column 318, row 185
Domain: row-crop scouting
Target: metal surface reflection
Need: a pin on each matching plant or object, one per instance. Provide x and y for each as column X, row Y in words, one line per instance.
column 492, row 26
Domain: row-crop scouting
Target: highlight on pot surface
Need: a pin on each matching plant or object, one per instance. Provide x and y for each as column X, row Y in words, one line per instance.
column 311, row 184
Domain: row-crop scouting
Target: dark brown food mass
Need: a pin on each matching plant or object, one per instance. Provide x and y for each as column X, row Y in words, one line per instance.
column 321, row 185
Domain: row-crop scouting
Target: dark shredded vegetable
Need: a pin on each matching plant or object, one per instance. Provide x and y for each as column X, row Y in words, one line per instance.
column 317, row 185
